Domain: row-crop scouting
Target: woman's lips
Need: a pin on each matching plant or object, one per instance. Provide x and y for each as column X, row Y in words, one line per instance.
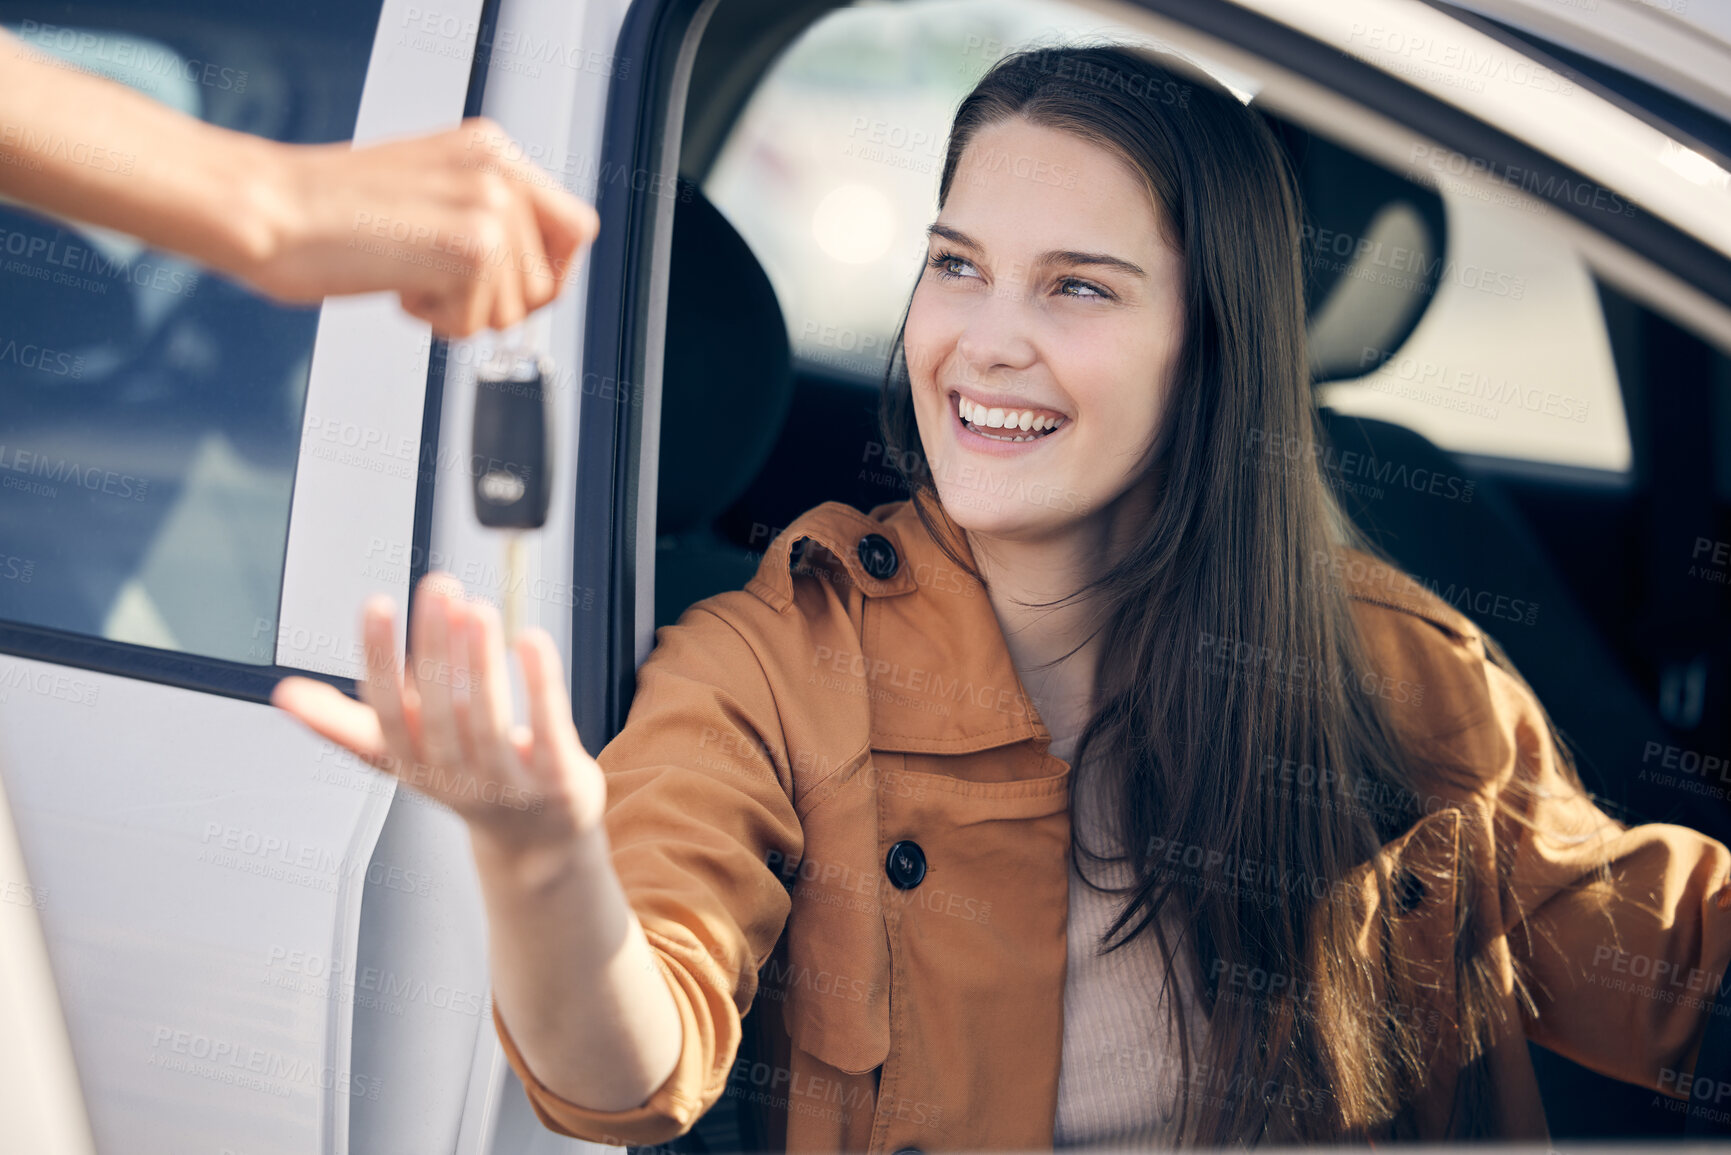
column 979, row 442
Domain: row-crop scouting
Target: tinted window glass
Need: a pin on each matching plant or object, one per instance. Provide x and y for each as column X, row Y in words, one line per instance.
column 149, row 411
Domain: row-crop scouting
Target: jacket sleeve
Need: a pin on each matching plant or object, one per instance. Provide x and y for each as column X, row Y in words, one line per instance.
column 699, row 817
column 1621, row 934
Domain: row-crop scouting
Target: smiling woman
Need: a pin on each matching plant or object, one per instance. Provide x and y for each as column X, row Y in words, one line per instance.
column 1048, row 301
column 1175, row 813
column 1152, row 302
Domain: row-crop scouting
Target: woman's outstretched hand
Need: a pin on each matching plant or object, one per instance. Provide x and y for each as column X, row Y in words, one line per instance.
column 572, row 971
column 446, row 728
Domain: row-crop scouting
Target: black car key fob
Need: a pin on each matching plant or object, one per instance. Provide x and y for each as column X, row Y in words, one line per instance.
column 512, row 461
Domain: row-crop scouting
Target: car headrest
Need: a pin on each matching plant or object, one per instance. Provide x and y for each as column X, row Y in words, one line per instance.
column 1375, row 244
column 727, row 378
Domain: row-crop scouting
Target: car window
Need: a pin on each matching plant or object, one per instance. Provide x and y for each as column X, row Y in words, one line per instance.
column 153, row 412
column 831, row 174
column 1511, row 358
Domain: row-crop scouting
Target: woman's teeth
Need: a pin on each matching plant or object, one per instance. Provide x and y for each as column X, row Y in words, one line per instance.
column 979, row 418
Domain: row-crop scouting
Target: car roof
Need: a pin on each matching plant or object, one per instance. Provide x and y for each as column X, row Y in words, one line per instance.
column 1623, row 151
column 1681, row 48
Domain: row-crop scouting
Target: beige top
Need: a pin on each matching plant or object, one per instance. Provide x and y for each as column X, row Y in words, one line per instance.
column 1119, row 1074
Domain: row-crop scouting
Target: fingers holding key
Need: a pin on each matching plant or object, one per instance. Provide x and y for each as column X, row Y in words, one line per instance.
column 460, row 224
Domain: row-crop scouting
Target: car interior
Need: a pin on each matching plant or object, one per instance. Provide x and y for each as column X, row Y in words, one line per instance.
column 1627, row 655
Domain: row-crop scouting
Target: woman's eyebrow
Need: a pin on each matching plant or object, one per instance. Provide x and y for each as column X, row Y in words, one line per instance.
column 1055, row 257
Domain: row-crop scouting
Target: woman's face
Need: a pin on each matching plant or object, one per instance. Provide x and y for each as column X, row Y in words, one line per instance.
column 1050, row 309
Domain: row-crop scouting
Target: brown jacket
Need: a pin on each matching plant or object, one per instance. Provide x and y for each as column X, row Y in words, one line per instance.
column 790, row 734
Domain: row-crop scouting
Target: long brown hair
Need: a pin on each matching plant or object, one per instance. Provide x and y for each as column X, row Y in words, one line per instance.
column 1232, row 553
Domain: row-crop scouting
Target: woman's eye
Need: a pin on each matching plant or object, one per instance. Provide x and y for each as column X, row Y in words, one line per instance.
column 949, row 266
column 1072, row 288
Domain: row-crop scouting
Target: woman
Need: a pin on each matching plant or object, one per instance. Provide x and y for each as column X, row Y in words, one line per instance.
column 1341, row 865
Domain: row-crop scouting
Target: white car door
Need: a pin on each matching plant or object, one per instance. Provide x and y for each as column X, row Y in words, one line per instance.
column 197, row 490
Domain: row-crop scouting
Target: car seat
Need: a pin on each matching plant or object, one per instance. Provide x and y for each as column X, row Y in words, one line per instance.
column 1458, row 547
column 727, row 384
column 1482, row 545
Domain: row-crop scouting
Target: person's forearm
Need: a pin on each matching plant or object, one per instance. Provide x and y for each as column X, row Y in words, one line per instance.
column 84, row 147
column 458, row 223
column 574, row 978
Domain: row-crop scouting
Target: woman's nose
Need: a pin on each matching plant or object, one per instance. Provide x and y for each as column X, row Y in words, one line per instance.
column 996, row 332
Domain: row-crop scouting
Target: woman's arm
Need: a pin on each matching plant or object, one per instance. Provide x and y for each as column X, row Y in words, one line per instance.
column 559, row 923
column 572, row 971
column 1619, row 936
column 466, row 235
column 1623, row 934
